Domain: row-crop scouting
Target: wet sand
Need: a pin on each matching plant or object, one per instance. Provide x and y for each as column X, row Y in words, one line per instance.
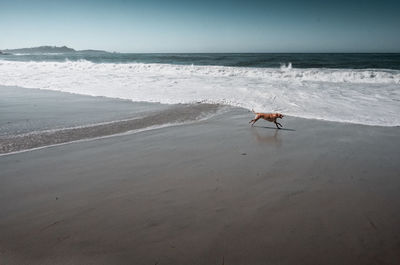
column 212, row 192
column 26, row 110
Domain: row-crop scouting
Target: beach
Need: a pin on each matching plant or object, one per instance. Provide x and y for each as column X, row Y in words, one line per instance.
column 203, row 190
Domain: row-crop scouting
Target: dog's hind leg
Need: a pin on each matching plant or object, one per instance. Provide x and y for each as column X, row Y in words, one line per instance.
column 254, row 120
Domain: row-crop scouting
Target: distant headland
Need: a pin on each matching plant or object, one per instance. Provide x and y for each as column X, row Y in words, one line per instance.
column 47, row 49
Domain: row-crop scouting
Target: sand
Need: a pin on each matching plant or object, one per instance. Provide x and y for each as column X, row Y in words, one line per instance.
column 210, row 192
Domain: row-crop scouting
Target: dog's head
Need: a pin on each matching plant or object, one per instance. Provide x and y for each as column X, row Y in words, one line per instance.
column 279, row 115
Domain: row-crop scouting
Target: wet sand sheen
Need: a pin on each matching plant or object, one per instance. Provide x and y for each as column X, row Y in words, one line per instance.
column 173, row 115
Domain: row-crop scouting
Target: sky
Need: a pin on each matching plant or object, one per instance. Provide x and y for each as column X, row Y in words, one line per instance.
column 203, row 26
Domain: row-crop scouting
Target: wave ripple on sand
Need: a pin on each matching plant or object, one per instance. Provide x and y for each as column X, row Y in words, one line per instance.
column 176, row 114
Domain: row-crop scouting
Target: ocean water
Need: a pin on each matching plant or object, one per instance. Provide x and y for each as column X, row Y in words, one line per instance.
column 351, row 88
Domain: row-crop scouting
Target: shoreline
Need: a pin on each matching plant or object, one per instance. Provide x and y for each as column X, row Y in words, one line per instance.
column 147, row 117
column 20, row 130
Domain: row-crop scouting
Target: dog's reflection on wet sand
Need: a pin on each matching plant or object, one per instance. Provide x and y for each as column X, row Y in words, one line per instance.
column 266, row 136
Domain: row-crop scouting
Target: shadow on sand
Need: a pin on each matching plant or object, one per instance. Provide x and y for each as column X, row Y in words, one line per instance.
column 274, row 128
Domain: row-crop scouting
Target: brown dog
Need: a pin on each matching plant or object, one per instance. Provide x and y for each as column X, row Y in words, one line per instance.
column 268, row 117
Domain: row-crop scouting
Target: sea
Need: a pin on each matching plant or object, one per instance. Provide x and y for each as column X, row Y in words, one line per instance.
column 339, row 87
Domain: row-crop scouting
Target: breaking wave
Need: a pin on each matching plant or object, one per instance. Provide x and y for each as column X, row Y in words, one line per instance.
column 363, row 96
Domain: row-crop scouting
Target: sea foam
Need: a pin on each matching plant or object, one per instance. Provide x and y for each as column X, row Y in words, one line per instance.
column 365, row 96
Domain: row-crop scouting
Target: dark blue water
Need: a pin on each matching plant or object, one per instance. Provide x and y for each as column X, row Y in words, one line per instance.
column 298, row 60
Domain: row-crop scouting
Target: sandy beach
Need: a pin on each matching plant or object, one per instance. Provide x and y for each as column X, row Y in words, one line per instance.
column 214, row 191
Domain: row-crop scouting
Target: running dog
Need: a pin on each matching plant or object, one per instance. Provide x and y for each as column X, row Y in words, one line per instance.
column 268, row 117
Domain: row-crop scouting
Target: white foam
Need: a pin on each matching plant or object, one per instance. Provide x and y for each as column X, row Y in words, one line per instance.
column 368, row 96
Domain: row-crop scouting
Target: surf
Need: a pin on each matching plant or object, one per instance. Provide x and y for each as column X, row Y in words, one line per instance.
column 362, row 96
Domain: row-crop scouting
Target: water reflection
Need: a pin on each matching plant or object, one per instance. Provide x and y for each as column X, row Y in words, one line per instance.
column 266, row 136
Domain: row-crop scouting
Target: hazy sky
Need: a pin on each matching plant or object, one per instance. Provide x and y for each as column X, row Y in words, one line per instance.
column 203, row 26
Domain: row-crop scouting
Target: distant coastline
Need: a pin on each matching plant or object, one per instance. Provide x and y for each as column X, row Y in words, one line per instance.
column 48, row 49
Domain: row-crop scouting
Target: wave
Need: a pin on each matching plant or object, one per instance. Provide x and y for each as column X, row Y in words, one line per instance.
column 363, row 96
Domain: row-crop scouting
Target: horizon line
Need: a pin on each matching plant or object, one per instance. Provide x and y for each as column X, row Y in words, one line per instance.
column 213, row 52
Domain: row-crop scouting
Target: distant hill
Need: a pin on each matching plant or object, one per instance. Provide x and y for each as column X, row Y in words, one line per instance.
column 48, row 49
column 42, row 49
